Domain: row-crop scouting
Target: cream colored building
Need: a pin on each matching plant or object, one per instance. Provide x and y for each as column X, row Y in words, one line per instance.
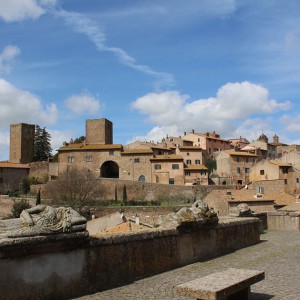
column 138, row 161
column 210, row 141
column 275, row 169
column 235, row 165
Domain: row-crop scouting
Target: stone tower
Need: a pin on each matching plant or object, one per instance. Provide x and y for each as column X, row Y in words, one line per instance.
column 21, row 143
column 99, row 131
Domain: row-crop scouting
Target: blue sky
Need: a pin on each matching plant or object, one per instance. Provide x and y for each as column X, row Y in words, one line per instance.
column 152, row 67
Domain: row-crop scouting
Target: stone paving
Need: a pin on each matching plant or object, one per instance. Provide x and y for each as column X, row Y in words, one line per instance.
column 278, row 255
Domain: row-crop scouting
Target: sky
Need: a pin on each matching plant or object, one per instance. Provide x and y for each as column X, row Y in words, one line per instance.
column 152, row 67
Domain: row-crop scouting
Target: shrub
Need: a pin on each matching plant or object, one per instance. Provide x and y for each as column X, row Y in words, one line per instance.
column 18, row 207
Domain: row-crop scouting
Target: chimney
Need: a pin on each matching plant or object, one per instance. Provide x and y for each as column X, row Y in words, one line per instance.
column 193, row 131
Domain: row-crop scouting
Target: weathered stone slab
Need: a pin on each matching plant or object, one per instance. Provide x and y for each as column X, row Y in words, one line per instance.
column 221, row 284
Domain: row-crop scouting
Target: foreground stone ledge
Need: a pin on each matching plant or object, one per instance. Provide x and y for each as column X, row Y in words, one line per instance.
column 70, row 265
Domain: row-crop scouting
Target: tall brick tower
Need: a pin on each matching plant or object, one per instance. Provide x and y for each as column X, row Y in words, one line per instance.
column 99, row 131
column 21, row 143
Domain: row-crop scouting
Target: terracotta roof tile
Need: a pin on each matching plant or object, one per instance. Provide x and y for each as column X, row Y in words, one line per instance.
column 4, row 164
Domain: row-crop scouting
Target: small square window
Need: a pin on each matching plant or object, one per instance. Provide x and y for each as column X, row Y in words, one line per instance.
column 111, row 152
column 197, row 162
column 88, row 158
column 136, row 160
column 297, row 180
column 175, row 166
column 187, row 173
column 285, row 181
column 262, row 172
column 157, row 167
column 71, row 159
column 238, row 170
column 188, row 162
column 171, row 181
column 1, row 180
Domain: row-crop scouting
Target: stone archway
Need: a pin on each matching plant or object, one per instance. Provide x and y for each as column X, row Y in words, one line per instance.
column 109, row 169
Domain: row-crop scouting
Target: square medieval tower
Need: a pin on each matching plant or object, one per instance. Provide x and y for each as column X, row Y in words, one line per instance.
column 99, row 131
column 21, row 143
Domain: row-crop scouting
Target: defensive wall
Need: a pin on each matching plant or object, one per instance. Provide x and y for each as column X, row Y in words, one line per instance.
column 144, row 191
column 68, row 265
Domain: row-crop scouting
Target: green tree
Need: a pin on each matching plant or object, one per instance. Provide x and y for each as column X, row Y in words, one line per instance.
column 42, row 146
column 38, row 198
column 211, row 165
column 18, row 207
column 116, row 194
column 79, row 140
column 124, row 194
column 25, row 185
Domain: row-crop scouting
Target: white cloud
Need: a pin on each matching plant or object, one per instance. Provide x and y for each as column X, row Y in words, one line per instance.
column 84, row 25
column 83, row 104
column 157, row 133
column 58, row 137
column 4, row 145
column 22, row 106
column 233, row 102
column 18, row 10
column 291, row 123
column 7, row 56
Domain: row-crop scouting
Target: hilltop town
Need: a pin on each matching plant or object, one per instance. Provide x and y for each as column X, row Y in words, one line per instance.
column 192, row 159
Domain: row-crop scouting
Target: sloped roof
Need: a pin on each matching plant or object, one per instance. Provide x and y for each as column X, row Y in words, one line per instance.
column 166, row 157
column 190, row 148
column 137, row 151
column 6, row 164
column 240, row 153
column 195, row 167
column 83, row 147
column 292, row 207
column 280, row 163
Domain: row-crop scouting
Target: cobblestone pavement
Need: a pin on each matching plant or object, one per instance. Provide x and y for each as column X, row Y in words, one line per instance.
column 278, row 255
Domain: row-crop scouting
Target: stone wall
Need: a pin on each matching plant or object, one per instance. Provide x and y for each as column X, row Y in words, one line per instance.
column 145, row 191
column 284, row 220
column 270, row 186
column 47, row 270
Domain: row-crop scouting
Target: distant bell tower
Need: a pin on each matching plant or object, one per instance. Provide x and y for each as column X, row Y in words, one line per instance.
column 99, row 131
column 21, row 143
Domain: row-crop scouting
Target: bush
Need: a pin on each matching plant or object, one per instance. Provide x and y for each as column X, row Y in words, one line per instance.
column 18, row 207
column 25, row 185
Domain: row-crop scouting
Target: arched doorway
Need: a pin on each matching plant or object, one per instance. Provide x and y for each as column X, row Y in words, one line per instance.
column 109, row 169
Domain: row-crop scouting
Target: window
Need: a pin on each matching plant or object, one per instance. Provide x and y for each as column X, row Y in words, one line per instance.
column 188, row 162
column 88, row 158
column 188, row 153
column 247, row 159
column 262, row 172
column 197, row 162
column 297, row 180
column 285, row 170
column 238, row 170
column 71, row 159
column 175, row 166
column 187, row 173
column 285, row 181
column 136, row 160
column 1, row 170
column 171, row 180
column 142, row 178
column 157, row 167
column 237, row 158
column 111, row 152
column 247, row 170
column 198, row 140
column 1, row 180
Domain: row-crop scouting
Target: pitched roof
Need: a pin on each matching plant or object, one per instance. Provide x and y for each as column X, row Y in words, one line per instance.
column 240, row 153
column 167, row 157
column 280, row 163
column 195, row 167
column 83, row 147
column 137, row 151
column 190, row 148
column 6, row 164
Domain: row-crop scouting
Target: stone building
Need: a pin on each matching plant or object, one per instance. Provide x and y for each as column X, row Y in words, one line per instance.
column 11, row 175
column 210, row 142
column 274, row 170
column 138, row 161
column 235, row 165
column 21, row 143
